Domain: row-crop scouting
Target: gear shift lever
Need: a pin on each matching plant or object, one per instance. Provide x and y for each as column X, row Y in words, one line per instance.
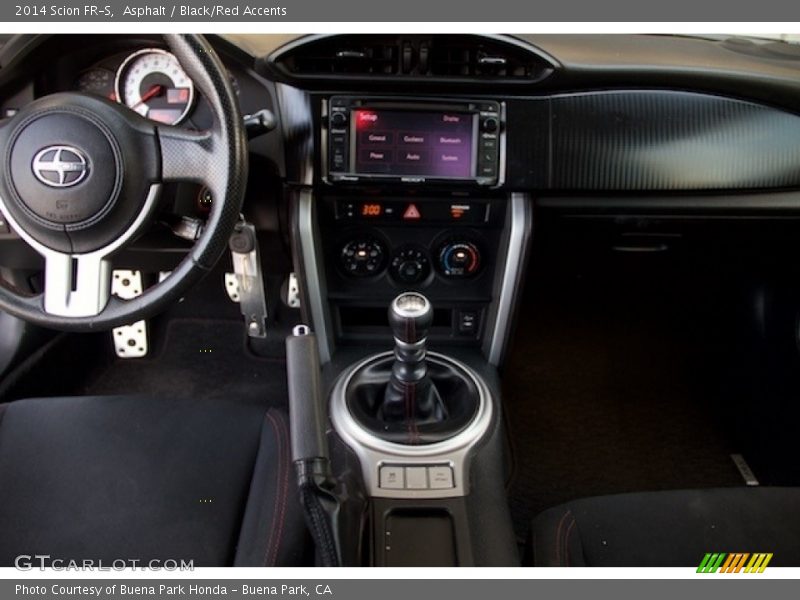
column 410, row 393
column 407, row 397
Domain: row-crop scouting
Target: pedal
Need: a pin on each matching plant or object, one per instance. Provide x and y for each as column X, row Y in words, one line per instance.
column 130, row 341
column 292, row 292
column 232, row 286
column 249, row 283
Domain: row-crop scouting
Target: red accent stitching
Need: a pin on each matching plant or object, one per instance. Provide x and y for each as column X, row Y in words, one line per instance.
column 414, row 423
column 285, row 496
column 409, row 413
column 558, row 537
column 279, row 514
column 566, row 541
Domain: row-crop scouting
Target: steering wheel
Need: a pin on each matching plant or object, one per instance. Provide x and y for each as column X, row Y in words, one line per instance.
column 81, row 179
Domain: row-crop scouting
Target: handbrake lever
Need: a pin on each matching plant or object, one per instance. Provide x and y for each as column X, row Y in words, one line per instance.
column 308, row 423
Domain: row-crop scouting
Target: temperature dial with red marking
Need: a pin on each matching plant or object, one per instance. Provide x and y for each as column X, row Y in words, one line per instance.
column 363, row 257
column 459, row 259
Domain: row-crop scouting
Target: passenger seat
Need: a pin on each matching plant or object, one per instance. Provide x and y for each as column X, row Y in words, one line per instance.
column 670, row 528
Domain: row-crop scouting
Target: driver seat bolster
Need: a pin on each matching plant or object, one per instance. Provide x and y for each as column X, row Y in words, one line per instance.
column 134, row 477
column 273, row 530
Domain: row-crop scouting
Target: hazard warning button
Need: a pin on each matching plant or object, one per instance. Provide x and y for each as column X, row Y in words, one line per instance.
column 411, row 213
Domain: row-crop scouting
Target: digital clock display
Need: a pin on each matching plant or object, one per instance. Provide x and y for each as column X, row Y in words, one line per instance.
column 416, row 210
column 371, row 210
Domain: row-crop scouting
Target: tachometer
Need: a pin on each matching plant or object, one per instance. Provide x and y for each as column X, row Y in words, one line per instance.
column 152, row 83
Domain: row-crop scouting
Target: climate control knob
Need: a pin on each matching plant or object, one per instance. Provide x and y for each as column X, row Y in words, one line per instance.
column 410, row 265
column 363, row 257
column 459, row 259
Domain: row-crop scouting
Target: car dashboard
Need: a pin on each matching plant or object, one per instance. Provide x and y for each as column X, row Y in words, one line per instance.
column 430, row 164
column 422, row 157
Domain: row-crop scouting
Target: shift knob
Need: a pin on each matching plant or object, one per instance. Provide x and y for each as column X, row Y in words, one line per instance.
column 410, row 393
column 410, row 317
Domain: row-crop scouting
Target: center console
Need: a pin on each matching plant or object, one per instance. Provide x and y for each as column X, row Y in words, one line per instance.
column 377, row 245
column 412, row 252
column 412, row 417
column 411, row 199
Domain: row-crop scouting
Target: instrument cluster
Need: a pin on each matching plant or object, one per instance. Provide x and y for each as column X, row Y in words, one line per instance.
column 149, row 81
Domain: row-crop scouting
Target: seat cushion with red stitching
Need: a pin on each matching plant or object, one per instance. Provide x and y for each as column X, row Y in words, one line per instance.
column 273, row 529
column 140, row 478
column 669, row 528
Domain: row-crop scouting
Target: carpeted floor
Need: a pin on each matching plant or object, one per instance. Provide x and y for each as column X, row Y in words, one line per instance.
column 198, row 358
column 608, row 392
column 199, row 349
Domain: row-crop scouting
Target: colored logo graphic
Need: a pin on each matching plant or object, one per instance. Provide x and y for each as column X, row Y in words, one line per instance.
column 737, row 562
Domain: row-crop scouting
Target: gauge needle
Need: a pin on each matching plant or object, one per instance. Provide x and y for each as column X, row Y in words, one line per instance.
column 154, row 91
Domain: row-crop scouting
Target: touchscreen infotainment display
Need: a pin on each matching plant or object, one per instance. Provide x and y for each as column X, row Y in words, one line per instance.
column 414, row 143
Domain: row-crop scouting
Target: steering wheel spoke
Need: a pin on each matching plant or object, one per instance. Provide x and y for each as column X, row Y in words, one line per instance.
column 76, row 285
column 187, row 155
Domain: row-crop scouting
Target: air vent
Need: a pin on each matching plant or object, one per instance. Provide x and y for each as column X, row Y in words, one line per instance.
column 445, row 57
column 350, row 55
column 471, row 56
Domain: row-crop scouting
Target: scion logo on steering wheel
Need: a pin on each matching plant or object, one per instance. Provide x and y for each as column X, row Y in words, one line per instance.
column 60, row 166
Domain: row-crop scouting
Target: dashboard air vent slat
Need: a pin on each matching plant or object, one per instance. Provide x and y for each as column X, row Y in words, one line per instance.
column 368, row 58
column 460, row 58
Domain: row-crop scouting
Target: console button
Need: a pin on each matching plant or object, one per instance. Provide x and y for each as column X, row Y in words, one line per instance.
column 416, row 478
column 391, row 478
column 375, row 138
column 411, row 213
column 338, row 152
column 490, row 124
column 468, row 322
column 339, row 119
column 413, row 139
column 488, row 158
column 487, row 170
column 337, row 161
column 441, row 477
column 413, row 157
column 345, row 210
column 380, row 156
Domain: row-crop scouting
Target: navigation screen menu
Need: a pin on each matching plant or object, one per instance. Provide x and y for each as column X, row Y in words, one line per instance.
column 413, row 143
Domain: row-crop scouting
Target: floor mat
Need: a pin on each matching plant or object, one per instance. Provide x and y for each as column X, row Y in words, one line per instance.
column 198, row 358
column 606, row 394
column 198, row 349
